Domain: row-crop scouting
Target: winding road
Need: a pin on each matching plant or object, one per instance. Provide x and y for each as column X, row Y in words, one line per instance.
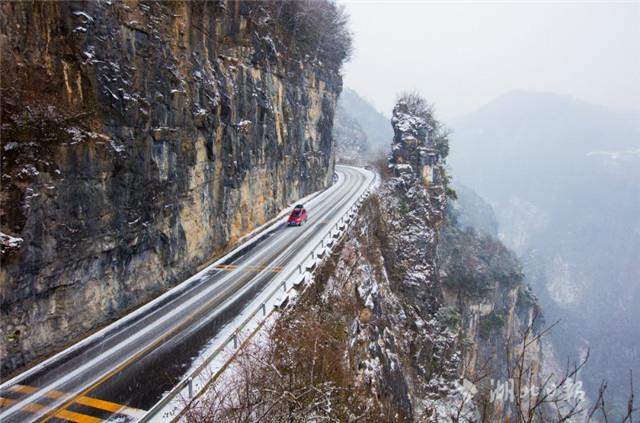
column 121, row 371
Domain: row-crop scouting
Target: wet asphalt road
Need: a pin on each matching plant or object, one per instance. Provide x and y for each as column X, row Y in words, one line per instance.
column 126, row 368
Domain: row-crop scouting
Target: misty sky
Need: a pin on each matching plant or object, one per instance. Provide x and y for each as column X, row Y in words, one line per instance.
column 460, row 55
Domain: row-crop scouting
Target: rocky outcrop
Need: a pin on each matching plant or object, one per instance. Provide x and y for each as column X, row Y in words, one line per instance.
column 141, row 139
column 400, row 340
column 414, row 317
column 441, row 311
column 417, row 144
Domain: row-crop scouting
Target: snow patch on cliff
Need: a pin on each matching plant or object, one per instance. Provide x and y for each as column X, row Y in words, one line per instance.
column 8, row 242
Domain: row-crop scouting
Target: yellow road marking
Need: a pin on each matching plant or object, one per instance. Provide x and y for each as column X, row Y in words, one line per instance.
column 23, row 389
column 122, row 366
column 91, row 402
column 77, row 417
column 225, row 267
column 53, row 413
column 100, row 404
column 61, row 414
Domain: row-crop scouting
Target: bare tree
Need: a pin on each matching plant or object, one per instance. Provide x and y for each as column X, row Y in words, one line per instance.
column 316, row 30
column 599, row 407
column 550, row 398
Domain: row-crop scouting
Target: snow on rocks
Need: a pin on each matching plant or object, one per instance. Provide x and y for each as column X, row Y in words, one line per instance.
column 10, row 146
column 9, row 243
column 118, row 148
column 27, row 171
column 368, row 287
column 84, row 15
column 243, row 125
column 410, row 125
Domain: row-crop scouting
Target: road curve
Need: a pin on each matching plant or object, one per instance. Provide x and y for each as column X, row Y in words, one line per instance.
column 125, row 369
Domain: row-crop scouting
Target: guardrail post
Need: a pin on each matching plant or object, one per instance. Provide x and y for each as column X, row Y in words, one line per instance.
column 264, row 309
column 300, row 268
column 322, row 242
column 284, row 286
column 235, row 340
column 190, row 384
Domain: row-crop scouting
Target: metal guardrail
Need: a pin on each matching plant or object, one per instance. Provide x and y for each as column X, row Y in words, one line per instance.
column 341, row 227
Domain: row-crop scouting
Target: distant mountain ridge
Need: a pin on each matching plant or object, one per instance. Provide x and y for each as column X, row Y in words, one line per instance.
column 350, row 139
column 374, row 124
column 563, row 177
column 526, row 133
column 583, row 126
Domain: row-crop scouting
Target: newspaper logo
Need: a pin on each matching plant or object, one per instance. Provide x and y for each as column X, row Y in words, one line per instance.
column 505, row 391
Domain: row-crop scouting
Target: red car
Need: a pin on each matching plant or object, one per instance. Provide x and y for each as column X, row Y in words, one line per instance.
column 298, row 216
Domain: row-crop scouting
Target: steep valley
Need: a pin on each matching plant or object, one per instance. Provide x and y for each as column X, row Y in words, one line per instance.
column 563, row 178
column 415, row 316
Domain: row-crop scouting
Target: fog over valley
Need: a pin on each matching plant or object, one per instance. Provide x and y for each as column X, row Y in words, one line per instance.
column 543, row 104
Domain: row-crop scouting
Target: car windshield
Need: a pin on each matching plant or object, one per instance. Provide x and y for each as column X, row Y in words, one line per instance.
column 296, row 212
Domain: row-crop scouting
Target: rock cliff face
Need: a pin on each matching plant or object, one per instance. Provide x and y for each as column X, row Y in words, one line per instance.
column 139, row 140
column 495, row 315
column 442, row 310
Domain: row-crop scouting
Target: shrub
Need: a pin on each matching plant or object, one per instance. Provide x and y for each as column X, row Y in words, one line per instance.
column 490, row 323
column 313, row 29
